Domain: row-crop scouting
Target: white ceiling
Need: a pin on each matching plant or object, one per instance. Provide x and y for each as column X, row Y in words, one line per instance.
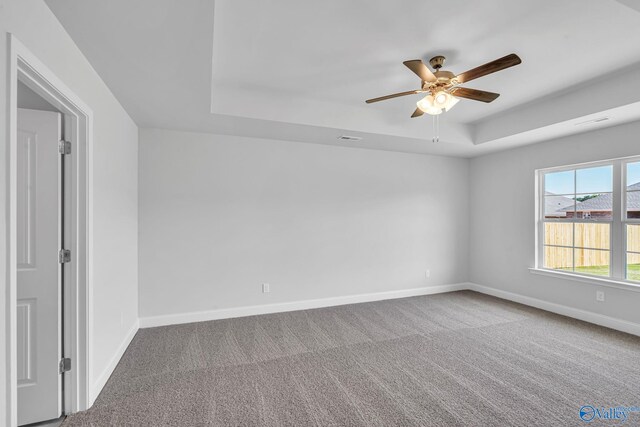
column 301, row 70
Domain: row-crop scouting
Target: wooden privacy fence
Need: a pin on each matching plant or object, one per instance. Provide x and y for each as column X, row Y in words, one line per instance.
column 587, row 235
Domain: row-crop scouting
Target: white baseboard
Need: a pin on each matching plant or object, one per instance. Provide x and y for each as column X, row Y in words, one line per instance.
column 100, row 382
column 576, row 313
column 226, row 313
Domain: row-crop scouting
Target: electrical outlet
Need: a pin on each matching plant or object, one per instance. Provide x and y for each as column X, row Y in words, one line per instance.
column 265, row 288
column 600, row 296
column 427, row 274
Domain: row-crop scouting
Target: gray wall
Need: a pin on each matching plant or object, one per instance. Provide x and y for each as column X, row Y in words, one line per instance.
column 220, row 215
column 502, row 239
column 31, row 100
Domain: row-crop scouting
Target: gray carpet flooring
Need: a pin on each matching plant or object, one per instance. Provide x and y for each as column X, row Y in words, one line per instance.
column 455, row 359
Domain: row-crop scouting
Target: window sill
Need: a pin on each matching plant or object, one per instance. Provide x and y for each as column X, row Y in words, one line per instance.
column 600, row 281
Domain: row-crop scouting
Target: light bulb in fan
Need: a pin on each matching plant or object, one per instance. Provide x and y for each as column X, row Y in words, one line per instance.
column 444, row 100
column 426, row 104
column 440, row 100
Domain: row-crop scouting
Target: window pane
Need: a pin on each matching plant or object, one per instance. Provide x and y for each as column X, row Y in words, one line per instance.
column 594, row 206
column 633, row 204
column 558, row 258
column 633, row 267
column 559, row 183
column 594, row 180
column 595, row 236
column 558, row 207
column 590, row 261
column 633, row 175
column 633, row 238
column 557, row 233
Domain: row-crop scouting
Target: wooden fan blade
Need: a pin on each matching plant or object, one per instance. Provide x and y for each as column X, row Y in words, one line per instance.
column 417, row 113
column 488, row 68
column 476, row 95
column 418, row 67
column 395, row 95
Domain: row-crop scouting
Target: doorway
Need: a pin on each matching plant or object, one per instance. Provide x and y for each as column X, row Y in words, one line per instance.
column 49, row 289
column 40, row 238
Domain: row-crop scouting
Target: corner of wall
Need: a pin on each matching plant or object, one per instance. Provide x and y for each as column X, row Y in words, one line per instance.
column 101, row 380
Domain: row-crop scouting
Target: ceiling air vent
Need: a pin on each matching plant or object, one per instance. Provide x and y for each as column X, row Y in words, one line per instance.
column 349, row 138
column 592, row 121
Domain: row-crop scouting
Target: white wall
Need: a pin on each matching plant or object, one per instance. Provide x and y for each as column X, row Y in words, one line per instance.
column 502, row 240
column 115, row 191
column 219, row 215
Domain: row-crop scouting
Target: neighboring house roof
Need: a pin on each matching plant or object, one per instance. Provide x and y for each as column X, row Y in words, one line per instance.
column 554, row 204
column 604, row 202
column 633, row 201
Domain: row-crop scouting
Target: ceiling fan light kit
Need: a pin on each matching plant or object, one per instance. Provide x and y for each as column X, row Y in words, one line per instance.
column 437, row 104
column 443, row 88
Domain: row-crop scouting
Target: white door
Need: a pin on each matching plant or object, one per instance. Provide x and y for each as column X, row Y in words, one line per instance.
column 39, row 276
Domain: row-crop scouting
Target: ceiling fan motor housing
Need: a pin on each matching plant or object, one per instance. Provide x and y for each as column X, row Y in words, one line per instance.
column 437, row 62
column 443, row 81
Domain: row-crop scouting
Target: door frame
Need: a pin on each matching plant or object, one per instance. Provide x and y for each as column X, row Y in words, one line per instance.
column 77, row 286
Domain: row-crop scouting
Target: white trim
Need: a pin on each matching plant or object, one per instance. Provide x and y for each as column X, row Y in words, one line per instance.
column 576, row 313
column 12, row 292
column 617, row 233
column 24, row 66
column 102, row 379
column 226, row 313
column 594, row 280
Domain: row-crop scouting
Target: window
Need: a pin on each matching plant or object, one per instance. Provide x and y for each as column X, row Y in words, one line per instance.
column 589, row 219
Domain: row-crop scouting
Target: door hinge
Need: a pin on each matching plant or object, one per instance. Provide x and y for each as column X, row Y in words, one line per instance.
column 64, row 256
column 64, row 147
column 64, row 365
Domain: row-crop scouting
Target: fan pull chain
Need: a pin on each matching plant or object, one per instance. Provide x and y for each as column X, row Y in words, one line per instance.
column 436, row 129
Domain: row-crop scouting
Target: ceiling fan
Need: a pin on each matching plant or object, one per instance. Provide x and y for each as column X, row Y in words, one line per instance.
column 443, row 87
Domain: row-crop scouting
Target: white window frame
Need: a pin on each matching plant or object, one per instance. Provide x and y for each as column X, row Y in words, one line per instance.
column 618, row 221
column 627, row 221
